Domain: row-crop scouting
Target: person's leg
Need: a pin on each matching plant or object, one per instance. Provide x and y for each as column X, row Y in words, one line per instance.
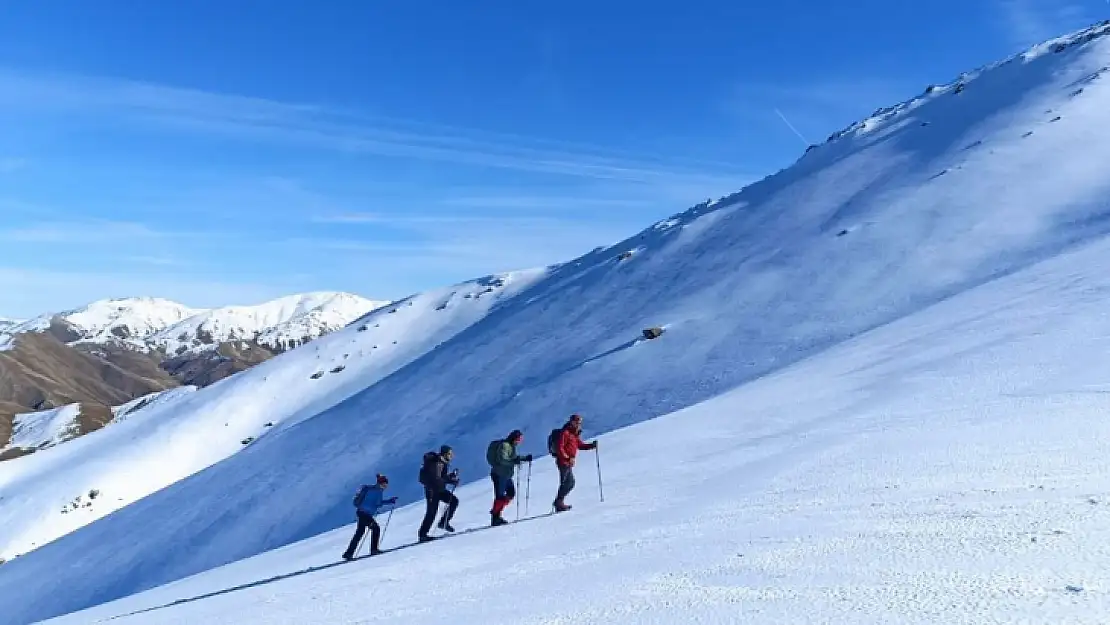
column 566, row 484
column 504, row 492
column 375, row 537
column 452, row 504
column 359, row 531
column 496, row 492
column 432, row 503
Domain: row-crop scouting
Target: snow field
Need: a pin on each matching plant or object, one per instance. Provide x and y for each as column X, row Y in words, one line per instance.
column 186, row 431
column 952, row 467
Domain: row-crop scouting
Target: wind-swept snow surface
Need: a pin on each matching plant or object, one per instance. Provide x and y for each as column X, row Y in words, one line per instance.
column 966, row 186
column 931, row 471
column 183, row 430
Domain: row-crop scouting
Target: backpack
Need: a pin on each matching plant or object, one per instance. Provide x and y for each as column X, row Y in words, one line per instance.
column 553, row 441
column 492, row 452
column 425, row 469
column 360, row 496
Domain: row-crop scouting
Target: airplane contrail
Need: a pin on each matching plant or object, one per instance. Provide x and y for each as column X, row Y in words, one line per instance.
column 795, row 130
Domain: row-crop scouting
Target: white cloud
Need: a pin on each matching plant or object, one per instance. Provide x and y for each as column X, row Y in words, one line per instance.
column 1028, row 22
column 464, row 247
column 81, row 231
column 25, row 293
column 328, row 128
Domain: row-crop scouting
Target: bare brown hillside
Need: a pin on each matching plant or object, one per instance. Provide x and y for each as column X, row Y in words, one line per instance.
column 41, row 372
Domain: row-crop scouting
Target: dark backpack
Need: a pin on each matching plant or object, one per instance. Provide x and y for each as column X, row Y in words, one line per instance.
column 360, row 496
column 491, row 452
column 553, row 441
column 426, row 476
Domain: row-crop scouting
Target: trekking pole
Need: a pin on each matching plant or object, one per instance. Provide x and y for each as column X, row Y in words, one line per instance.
column 384, row 528
column 528, row 488
column 600, row 488
column 518, row 495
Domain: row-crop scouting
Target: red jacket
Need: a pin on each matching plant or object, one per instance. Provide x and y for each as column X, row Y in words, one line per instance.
column 569, row 444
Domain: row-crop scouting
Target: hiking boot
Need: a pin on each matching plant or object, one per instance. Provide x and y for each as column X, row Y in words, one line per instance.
column 425, row 538
column 376, row 552
column 496, row 519
column 444, row 525
column 561, row 507
column 348, row 557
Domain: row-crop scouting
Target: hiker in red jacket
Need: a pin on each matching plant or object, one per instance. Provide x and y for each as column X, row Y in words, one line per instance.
column 566, row 450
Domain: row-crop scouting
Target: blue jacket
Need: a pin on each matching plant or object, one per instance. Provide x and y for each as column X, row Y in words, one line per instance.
column 372, row 501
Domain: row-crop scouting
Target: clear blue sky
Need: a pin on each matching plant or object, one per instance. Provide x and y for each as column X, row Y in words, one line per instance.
column 222, row 152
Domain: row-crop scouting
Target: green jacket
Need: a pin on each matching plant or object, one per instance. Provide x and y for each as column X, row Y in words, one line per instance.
column 504, row 460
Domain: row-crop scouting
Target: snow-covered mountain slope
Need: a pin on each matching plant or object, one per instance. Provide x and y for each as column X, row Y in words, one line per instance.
column 928, row 471
column 6, row 323
column 119, row 413
column 35, row 430
column 281, row 324
column 964, row 186
column 127, row 319
column 183, row 431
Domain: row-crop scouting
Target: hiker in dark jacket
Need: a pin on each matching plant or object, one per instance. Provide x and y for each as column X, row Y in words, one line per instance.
column 503, row 459
column 366, row 508
column 435, row 478
column 566, row 450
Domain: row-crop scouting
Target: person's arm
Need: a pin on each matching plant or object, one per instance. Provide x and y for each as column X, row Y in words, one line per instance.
column 565, row 448
column 449, row 478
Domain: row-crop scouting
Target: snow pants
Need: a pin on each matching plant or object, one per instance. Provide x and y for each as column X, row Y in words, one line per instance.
column 364, row 521
column 503, row 492
column 433, row 499
column 566, row 482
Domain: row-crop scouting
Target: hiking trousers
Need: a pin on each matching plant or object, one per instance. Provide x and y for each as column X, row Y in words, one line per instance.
column 364, row 521
column 566, row 481
column 433, row 499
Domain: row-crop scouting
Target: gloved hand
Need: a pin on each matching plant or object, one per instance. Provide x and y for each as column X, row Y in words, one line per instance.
column 593, row 445
column 527, row 458
column 391, row 500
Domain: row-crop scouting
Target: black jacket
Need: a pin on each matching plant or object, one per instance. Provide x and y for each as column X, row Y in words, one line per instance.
column 434, row 475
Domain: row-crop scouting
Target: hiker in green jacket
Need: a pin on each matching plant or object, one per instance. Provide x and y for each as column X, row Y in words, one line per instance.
column 502, row 458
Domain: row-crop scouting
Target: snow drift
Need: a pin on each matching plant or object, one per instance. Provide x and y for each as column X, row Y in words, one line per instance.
column 963, row 186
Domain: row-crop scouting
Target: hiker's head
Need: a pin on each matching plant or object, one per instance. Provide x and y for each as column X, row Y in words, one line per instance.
column 515, row 437
column 383, row 481
column 575, row 421
column 446, row 452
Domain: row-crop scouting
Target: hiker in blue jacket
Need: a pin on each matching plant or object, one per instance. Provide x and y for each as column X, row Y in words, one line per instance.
column 367, row 501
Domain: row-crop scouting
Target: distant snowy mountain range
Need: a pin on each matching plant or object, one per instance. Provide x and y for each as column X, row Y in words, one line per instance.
column 65, row 374
column 150, row 323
